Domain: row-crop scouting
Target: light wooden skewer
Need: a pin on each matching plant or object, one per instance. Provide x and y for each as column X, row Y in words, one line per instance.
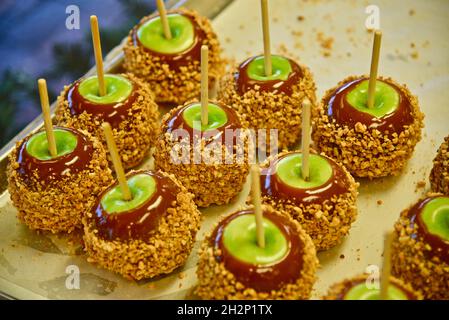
column 204, row 85
column 305, row 141
column 98, row 55
column 266, row 38
column 164, row 19
column 43, row 93
column 117, row 162
column 374, row 68
column 386, row 266
column 257, row 203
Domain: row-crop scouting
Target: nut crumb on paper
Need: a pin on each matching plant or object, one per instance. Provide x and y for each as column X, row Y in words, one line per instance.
column 326, row 44
column 379, row 202
column 419, row 185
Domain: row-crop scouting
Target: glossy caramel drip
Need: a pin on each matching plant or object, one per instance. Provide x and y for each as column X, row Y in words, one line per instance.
column 244, row 83
column 263, row 278
column 114, row 113
column 338, row 108
column 440, row 247
column 273, row 186
column 53, row 170
column 141, row 221
column 180, row 59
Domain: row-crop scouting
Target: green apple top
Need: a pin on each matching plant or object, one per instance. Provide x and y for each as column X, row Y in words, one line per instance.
column 74, row 152
column 362, row 292
column 251, row 75
column 392, row 109
column 239, row 238
column 222, row 120
column 283, row 179
column 142, row 187
column 118, row 89
column 386, row 98
column 153, row 193
column 435, row 215
column 37, row 145
column 151, row 34
column 263, row 269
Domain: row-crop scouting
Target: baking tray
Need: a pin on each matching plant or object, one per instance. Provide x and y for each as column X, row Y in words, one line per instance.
column 328, row 36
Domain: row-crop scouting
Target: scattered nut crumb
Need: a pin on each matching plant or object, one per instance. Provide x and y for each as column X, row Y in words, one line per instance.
column 380, row 202
column 326, row 44
column 342, row 256
column 300, row 18
column 411, row 12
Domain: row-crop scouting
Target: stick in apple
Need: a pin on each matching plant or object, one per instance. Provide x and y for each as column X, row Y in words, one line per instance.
column 257, row 203
column 43, row 93
column 117, row 162
column 305, row 141
column 386, row 266
column 266, row 38
column 374, row 67
column 98, row 55
column 164, row 19
column 204, row 85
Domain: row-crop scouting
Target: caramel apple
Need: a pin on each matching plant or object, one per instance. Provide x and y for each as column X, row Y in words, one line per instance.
column 148, row 235
column 52, row 192
column 360, row 288
column 439, row 176
column 420, row 250
column 171, row 66
column 128, row 106
column 370, row 124
column 210, row 160
column 232, row 266
column 324, row 205
column 269, row 102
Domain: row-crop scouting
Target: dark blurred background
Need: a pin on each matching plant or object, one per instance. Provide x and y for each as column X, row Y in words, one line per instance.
column 34, row 43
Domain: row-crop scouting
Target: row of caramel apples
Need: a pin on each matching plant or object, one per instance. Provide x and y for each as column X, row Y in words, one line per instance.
column 144, row 224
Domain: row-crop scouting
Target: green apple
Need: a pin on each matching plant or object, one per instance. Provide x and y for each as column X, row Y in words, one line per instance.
column 288, row 169
column 216, row 115
column 435, row 215
column 142, row 187
column 386, row 98
column 362, row 292
column 37, row 145
column 240, row 240
column 151, row 34
column 118, row 89
column 281, row 68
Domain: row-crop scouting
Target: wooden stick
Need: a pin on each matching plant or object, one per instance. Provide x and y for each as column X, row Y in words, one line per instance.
column 374, row 67
column 257, row 203
column 204, row 85
column 266, row 38
column 305, row 141
column 164, row 19
column 386, row 266
column 117, row 162
column 43, row 93
column 98, row 55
